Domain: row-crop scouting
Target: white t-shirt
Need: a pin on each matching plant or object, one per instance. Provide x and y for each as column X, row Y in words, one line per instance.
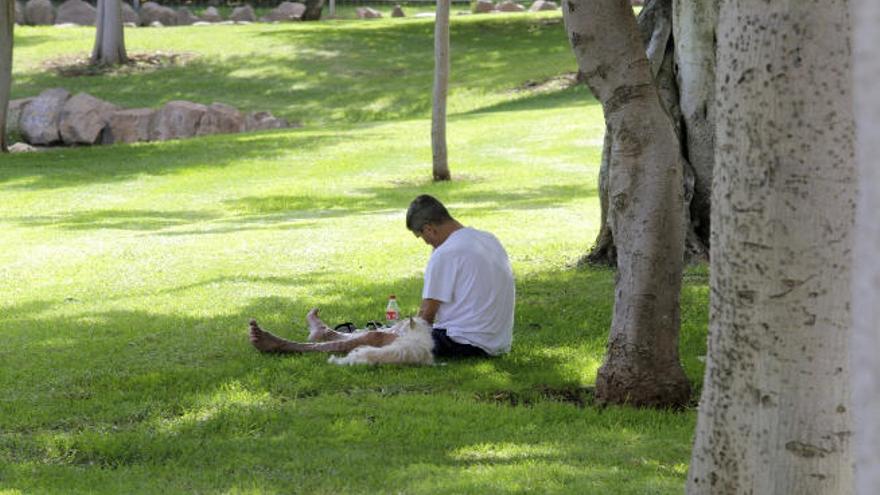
column 470, row 275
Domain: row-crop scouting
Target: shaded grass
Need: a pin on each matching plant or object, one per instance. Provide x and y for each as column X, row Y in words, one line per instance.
column 129, row 273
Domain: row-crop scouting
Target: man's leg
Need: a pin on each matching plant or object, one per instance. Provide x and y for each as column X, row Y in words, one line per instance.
column 267, row 342
column 320, row 332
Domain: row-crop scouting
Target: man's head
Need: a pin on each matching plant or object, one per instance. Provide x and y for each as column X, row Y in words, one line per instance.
column 427, row 218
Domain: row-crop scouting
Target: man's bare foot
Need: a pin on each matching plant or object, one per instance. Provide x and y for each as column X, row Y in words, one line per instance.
column 265, row 341
column 318, row 330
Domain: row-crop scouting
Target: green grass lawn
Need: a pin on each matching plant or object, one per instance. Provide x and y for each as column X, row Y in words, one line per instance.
column 129, row 273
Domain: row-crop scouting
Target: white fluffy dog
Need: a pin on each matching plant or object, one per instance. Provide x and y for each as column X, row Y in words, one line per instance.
column 412, row 346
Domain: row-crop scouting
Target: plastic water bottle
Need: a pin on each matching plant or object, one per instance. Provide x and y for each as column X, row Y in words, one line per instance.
column 392, row 311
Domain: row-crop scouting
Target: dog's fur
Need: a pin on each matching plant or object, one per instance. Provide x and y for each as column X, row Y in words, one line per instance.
column 413, row 345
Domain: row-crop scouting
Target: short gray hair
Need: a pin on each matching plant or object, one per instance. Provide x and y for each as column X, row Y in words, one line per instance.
column 423, row 210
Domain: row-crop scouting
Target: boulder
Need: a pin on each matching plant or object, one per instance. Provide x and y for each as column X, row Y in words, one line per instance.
column 510, row 6
column 176, row 120
column 397, row 11
column 220, row 119
column 258, row 121
column 128, row 126
column 185, row 17
column 19, row 13
column 540, row 5
column 211, row 15
column 483, row 7
column 39, row 119
column 286, row 11
column 13, row 115
column 83, row 117
column 39, row 13
column 244, row 13
column 153, row 12
column 367, row 13
column 76, row 12
column 22, row 148
column 129, row 16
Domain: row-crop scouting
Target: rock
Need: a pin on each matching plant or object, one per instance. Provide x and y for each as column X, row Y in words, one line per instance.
column 211, row 15
column 367, row 13
column 39, row 119
column 540, row 5
column 130, row 24
column 397, row 11
column 39, row 13
column 65, row 25
column 258, row 121
column 483, row 6
column 510, row 6
column 19, row 13
column 83, row 117
column 220, row 119
column 243, row 14
column 13, row 115
column 129, row 15
column 156, row 24
column 128, row 126
column 22, row 148
column 76, row 12
column 287, row 11
column 185, row 17
column 203, row 23
column 153, row 12
column 176, row 120
column 425, row 15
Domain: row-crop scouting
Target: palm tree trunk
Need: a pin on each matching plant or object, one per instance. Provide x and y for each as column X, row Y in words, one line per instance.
column 441, row 87
column 109, row 37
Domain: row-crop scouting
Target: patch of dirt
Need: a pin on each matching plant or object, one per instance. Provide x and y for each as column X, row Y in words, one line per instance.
column 556, row 83
column 138, row 63
column 579, row 397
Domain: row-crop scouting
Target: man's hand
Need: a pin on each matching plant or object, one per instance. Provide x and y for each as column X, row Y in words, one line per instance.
column 428, row 310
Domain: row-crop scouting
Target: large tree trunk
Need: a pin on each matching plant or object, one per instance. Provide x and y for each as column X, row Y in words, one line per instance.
column 7, row 22
column 657, row 24
column 645, row 186
column 313, row 10
column 866, row 280
column 774, row 413
column 441, row 86
column 109, row 38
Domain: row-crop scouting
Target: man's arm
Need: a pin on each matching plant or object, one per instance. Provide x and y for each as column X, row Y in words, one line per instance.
column 428, row 309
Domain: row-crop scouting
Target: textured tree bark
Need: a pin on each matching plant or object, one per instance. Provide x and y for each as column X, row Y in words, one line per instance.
column 109, row 38
column 657, row 26
column 7, row 23
column 866, row 280
column 774, row 412
column 313, row 10
column 641, row 365
column 441, row 87
column 694, row 36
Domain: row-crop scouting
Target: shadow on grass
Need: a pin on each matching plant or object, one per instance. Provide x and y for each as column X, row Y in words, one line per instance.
column 185, row 401
column 342, row 72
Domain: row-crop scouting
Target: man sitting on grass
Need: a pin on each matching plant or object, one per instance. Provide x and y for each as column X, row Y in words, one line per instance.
column 468, row 294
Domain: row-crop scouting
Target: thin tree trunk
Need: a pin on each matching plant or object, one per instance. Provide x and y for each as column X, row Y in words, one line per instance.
column 645, row 187
column 866, row 280
column 774, row 414
column 694, row 23
column 109, row 37
column 7, row 23
column 441, row 87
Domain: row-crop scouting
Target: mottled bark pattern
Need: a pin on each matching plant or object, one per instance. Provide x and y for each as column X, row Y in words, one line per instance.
column 645, row 188
column 7, row 21
column 109, row 46
column 866, row 280
column 774, row 413
column 441, row 87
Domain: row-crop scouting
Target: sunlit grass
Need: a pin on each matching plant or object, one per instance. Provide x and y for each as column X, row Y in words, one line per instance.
column 129, row 272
